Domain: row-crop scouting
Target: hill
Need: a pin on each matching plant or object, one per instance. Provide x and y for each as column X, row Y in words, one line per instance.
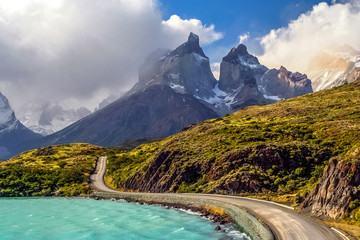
column 62, row 170
column 274, row 149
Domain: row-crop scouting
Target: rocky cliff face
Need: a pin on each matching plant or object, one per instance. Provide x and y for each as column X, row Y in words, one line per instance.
column 337, row 188
column 185, row 69
column 283, row 84
column 238, row 66
column 249, row 95
column 170, row 168
column 13, row 134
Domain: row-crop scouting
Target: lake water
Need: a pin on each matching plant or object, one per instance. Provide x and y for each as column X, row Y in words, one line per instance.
column 76, row 218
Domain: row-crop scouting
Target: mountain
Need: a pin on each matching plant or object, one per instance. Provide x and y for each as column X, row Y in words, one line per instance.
column 334, row 67
column 157, row 111
column 186, row 70
column 283, row 84
column 237, row 66
column 237, row 86
column 41, row 172
column 175, row 89
column 13, row 134
column 50, row 117
column 164, row 101
column 272, row 150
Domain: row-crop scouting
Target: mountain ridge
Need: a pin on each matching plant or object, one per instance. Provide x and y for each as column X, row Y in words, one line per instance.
column 13, row 134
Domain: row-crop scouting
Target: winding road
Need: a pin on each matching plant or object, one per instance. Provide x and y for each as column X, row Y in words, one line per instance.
column 284, row 222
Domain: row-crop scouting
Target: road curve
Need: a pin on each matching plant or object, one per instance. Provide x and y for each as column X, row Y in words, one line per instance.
column 285, row 223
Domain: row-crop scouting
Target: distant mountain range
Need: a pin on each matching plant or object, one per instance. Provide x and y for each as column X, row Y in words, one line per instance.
column 175, row 89
column 50, row 117
column 334, row 67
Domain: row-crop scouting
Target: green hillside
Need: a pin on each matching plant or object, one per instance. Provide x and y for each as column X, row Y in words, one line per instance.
column 62, row 170
column 277, row 149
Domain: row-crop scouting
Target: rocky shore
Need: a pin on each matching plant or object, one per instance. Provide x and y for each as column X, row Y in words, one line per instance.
column 243, row 220
column 211, row 214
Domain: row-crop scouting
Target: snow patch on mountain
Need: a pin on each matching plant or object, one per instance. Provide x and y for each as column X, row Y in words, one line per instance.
column 333, row 67
column 220, row 99
column 177, row 88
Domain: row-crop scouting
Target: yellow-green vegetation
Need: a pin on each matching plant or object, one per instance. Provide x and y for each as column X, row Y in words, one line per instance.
column 350, row 226
column 280, row 149
column 62, row 170
column 212, row 209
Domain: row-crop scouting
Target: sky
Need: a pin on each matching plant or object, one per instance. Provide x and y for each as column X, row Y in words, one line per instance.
column 78, row 52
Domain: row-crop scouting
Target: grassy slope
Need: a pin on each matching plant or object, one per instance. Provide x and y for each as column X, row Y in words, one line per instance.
column 56, row 170
column 306, row 131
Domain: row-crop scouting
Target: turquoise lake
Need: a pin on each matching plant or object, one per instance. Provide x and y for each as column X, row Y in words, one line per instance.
column 76, row 218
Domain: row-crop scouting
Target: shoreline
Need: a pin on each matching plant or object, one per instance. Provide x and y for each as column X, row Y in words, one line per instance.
column 219, row 218
column 244, row 222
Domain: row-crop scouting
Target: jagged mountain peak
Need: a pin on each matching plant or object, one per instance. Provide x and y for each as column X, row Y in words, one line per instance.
column 293, row 77
column 191, row 46
column 193, row 38
column 240, row 50
column 6, row 113
column 283, row 84
column 236, row 66
column 242, row 56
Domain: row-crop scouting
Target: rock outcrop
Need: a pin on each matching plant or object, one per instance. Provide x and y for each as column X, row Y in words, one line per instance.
column 185, row 69
column 238, row 66
column 171, row 168
column 249, row 95
column 283, row 84
column 337, row 188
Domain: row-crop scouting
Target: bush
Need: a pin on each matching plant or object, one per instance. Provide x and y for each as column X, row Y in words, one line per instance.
column 354, row 204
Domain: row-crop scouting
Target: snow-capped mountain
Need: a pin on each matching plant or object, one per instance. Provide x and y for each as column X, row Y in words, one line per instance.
column 49, row 118
column 237, row 66
column 334, row 68
column 160, row 104
column 177, row 88
column 13, row 134
column 185, row 69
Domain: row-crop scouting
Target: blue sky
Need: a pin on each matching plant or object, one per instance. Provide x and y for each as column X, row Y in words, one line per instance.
column 237, row 17
column 47, row 46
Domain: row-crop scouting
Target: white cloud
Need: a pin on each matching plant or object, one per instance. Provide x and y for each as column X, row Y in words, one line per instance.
column 81, row 51
column 178, row 28
column 215, row 68
column 243, row 38
column 317, row 30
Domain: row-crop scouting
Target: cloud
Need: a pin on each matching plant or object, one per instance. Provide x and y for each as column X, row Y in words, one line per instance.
column 177, row 28
column 320, row 29
column 79, row 52
column 243, row 38
column 215, row 68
